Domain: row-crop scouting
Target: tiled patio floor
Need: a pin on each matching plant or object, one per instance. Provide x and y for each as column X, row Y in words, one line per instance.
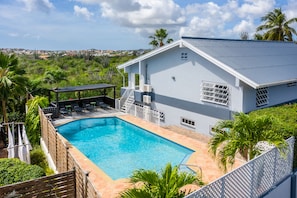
column 109, row 188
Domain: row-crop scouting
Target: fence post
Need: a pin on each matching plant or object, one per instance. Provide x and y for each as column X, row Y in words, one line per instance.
column 252, row 183
column 274, row 167
column 86, row 174
column 67, row 150
column 56, row 150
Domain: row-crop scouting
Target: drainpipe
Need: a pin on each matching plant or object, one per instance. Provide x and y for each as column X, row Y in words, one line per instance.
column 124, row 83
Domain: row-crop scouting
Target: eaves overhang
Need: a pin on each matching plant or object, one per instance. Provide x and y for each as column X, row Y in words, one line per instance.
column 149, row 54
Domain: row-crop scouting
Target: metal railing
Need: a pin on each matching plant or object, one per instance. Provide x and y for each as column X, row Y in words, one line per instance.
column 253, row 179
column 123, row 98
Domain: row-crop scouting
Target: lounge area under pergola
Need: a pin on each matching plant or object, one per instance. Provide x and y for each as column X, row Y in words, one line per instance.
column 100, row 98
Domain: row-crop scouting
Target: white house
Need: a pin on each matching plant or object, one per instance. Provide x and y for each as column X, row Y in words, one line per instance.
column 195, row 82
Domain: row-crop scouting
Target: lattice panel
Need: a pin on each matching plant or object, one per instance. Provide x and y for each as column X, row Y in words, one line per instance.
column 254, row 178
column 262, row 96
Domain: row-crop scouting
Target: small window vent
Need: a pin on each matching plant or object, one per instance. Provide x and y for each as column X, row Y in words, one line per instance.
column 184, row 56
column 188, row 122
column 262, row 96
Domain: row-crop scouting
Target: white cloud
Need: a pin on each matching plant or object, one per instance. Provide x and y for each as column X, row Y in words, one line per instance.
column 39, row 5
column 82, row 11
column 255, row 8
column 13, row 34
column 143, row 14
column 225, row 20
column 245, row 26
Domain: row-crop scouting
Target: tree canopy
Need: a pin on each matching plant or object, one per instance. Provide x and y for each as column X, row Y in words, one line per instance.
column 159, row 37
column 276, row 27
column 13, row 82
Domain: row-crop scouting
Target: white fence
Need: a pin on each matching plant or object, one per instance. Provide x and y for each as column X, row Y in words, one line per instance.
column 143, row 112
column 253, row 179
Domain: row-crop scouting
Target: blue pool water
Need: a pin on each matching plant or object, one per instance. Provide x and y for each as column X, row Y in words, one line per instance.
column 119, row 147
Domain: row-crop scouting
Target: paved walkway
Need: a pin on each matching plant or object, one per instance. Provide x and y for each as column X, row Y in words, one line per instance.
column 197, row 142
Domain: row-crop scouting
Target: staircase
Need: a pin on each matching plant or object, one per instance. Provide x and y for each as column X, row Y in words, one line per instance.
column 128, row 102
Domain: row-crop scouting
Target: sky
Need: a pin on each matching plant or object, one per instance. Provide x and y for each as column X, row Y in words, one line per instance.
column 127, row 24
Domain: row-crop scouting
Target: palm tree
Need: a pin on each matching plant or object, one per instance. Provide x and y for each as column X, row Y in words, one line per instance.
column 159, row 37
column 12, row 80
column 277, row 26
column 243, row 135
column 167, row 184
column 54, row 77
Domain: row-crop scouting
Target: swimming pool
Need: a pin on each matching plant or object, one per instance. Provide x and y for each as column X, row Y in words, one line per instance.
column 119, row 147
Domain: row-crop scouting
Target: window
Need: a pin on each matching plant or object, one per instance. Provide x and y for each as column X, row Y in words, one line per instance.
column 215, row 93
column 262, row 96
column 184, row 56
column 188, row 122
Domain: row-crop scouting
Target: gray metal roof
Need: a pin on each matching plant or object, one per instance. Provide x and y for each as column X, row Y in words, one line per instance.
column 257, row 63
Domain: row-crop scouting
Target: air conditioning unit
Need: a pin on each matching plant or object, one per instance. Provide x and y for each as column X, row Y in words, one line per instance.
column 147, row 88
column 146, row 99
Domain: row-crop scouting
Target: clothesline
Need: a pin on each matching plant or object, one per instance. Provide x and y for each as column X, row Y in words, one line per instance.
column 22, row 148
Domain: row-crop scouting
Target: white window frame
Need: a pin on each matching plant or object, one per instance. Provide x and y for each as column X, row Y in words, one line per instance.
column 217, row 93
column 262, row 97
column 187, row 122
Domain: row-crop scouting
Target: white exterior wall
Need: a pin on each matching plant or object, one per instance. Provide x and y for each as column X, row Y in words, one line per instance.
column 276, row 95
column 172, row 77
column 173, row 117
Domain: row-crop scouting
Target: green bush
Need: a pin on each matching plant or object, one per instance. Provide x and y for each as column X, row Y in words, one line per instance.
column 287, row 115
column 38, row 158
column 13, row 170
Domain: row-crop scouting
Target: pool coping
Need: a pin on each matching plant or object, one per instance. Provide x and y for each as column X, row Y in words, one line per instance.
column 109, row 188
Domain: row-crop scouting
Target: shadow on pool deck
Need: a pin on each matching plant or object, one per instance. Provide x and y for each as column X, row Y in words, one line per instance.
column 197, row 142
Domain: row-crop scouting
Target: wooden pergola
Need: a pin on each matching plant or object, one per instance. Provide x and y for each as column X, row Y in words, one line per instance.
column 81, row 88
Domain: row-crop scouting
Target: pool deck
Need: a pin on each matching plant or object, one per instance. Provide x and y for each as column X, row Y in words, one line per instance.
column 200, row 159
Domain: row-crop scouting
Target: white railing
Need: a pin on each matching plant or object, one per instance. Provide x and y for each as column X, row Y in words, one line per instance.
column 253, row 179
column 123, row 99
column 145, row 113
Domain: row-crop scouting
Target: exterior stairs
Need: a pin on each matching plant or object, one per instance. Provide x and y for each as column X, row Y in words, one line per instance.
column 128, row 103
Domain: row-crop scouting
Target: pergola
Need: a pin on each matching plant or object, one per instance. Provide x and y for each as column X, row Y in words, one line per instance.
column 82, row 88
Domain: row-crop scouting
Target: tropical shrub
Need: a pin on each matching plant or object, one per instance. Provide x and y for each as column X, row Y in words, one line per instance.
column 38, row 158
column 13, row 170
column 286, row 114
column 32, row 121
column 166, row 184
column 243, row 135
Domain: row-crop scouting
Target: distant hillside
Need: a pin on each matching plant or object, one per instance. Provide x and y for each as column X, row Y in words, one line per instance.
column 46, row 72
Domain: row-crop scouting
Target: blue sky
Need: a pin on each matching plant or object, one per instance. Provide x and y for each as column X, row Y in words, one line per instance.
column 126, row 24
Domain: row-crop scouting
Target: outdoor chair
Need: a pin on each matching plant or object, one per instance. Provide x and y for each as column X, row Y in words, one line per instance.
column 64, row 111
column 103, row 105
column 77, row 109
column 89, row 107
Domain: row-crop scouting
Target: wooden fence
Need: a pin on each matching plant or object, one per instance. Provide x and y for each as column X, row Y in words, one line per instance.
column 58, row 148
column 58, row 185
